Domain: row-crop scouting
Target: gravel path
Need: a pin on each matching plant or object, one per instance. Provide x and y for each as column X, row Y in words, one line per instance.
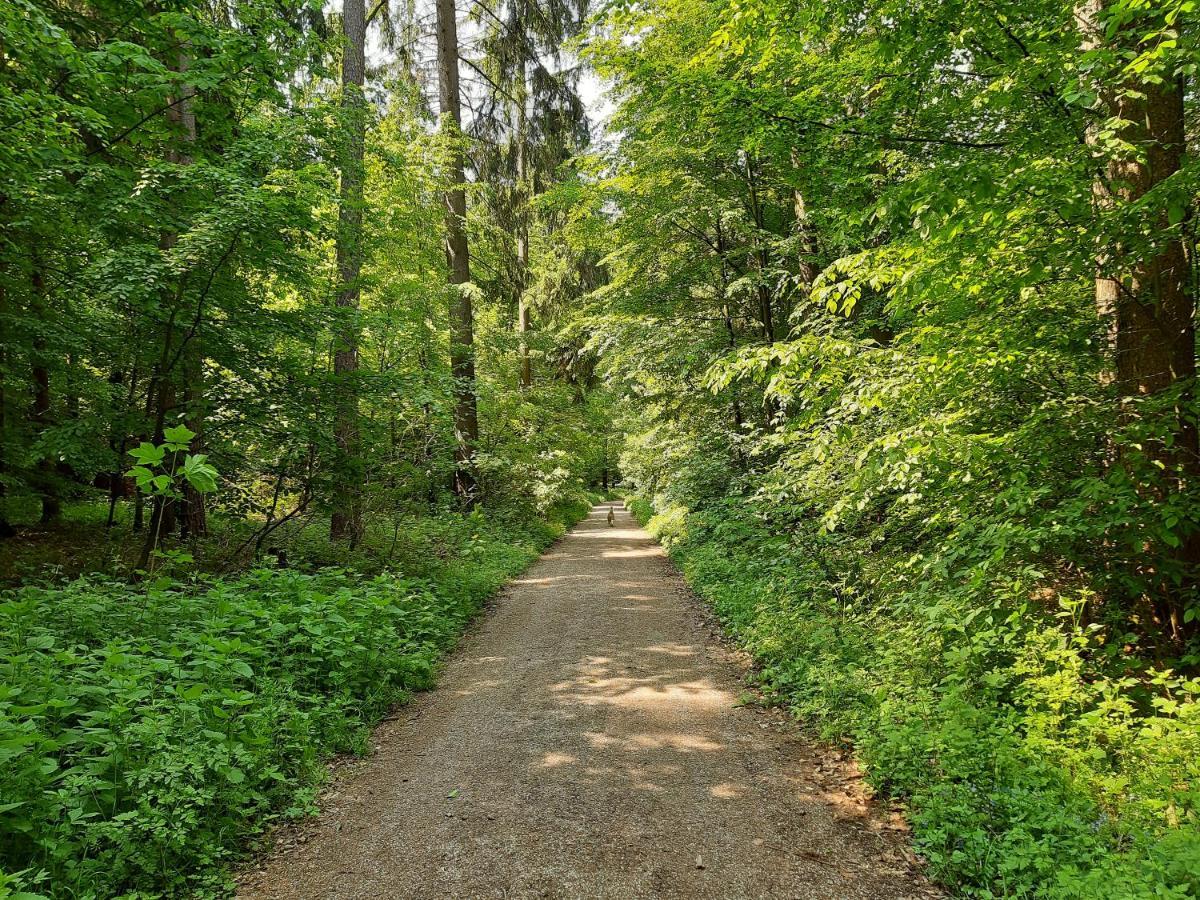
column 585, row 740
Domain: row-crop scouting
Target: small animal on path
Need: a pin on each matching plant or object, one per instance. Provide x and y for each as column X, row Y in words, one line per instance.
column 611, row 518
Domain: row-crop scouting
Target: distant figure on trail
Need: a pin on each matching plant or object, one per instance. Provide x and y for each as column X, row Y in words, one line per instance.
column 611, row 517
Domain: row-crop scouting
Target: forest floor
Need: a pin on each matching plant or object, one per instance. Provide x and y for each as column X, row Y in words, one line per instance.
column 591, row 738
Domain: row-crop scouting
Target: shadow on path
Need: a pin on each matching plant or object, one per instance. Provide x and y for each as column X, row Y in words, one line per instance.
column 585, row 741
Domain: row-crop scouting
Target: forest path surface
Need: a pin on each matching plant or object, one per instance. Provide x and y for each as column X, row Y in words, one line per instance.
column 585, row 740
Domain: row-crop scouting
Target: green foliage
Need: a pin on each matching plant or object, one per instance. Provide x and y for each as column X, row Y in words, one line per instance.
column 1033, row 762
column 827, row 296
column 146, row 735
column 867, row 386
column 162, row 476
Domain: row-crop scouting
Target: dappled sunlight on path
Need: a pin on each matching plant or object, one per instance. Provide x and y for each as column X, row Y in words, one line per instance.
column 587, row 741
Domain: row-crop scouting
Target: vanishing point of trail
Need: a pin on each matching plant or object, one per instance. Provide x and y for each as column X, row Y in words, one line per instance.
column 585, row 740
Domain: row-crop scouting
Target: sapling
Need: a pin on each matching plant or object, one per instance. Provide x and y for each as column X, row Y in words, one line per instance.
column 159, row 473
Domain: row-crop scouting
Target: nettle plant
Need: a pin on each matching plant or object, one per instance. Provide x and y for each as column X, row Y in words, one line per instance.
column 160, row 473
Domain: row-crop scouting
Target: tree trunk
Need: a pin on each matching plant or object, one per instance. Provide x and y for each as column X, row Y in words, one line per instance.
column 163, row 387
column 765, row 312
column 1143, row 294
column 195, row 518
column 523, row 194
column 40, row 410
column 462, row 351
column 346, row 520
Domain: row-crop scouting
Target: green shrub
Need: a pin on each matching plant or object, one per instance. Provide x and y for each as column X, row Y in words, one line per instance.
column 1034, row 762
column 641, row 509
column 147, row 732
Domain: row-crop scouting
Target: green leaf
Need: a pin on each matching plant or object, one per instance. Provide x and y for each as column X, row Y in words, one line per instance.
column 178, row 434
column 141, row 475
column 200, row 474
column 242, row 668
column 147, row 454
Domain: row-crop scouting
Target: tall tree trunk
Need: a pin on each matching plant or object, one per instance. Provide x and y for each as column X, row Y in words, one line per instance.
column 523, row 194
column 346, row 520
column 462, row 339
column 1143, row 294
column 163, row 388
column 195, row 518
column 766, row 314
column 40, row 409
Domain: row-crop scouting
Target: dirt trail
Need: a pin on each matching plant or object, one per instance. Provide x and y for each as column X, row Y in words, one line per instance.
column 585, row 741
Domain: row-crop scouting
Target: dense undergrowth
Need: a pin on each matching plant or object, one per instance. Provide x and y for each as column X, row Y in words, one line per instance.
column 147, row 732
column 1033, row 763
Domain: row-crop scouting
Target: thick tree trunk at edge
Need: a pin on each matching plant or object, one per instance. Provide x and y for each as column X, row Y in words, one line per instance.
column 1144, row 295
column 346, row 519
column 462, row 339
